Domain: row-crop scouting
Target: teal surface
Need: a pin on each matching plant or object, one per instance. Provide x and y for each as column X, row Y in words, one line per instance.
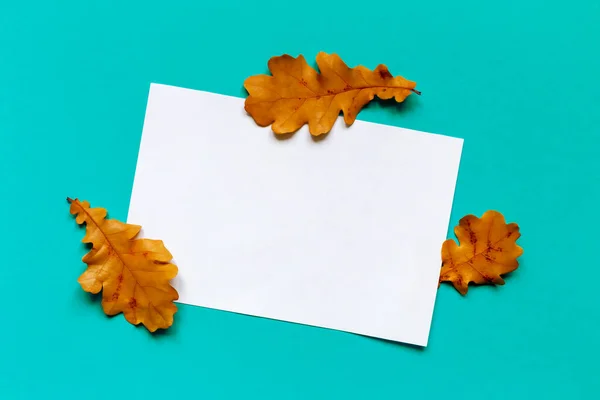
column 518, row 80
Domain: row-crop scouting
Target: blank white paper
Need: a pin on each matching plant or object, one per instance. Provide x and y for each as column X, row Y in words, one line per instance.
column 343, row 233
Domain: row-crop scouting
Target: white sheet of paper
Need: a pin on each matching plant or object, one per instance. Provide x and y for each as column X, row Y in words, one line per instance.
column 343, row 233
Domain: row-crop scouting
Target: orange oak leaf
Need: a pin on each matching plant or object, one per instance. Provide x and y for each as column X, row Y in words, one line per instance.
column 296, row 94
column 487, row 250
column 133, row 274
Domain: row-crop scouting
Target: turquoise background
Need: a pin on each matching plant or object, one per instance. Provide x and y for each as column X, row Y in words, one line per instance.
column 519, row 80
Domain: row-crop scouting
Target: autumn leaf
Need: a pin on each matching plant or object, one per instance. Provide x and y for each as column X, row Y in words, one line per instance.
column 487, row 250
column 133, row 274
column 296, row 94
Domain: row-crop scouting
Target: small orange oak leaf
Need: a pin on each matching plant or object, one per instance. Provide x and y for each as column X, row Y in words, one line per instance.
column 296, row 94
column 133, row 274
column 487, row 250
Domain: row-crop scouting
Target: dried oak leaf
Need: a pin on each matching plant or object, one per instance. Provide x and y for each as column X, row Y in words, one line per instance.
column 133, row 274
column 487, row 250
column 296, row 94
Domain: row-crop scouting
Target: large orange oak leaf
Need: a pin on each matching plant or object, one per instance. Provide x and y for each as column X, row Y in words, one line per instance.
column 296, row 94
column 487, row 250
column 133, row 274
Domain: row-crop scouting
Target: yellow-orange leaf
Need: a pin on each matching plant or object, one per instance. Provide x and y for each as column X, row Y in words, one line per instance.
column 487, row 250
column 133, row 274
column 296, row 94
